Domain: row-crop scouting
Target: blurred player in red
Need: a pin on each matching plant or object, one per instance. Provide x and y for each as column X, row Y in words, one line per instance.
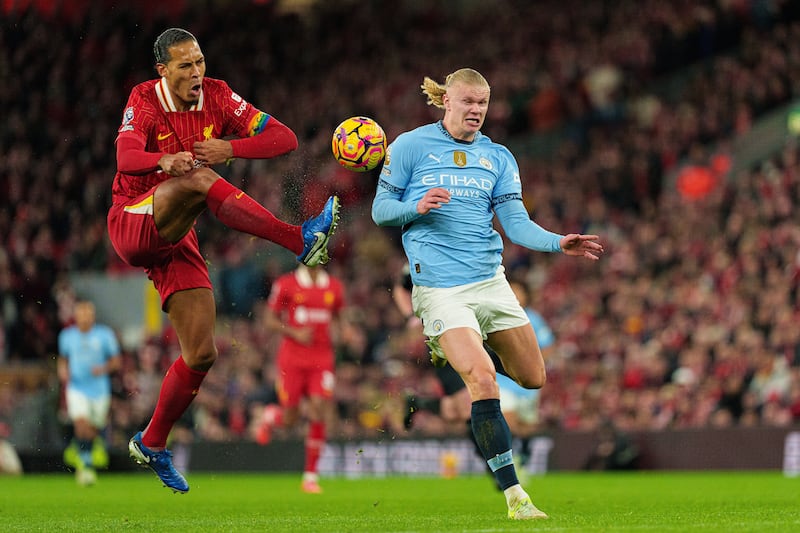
column 173, row 129
column 304, row 307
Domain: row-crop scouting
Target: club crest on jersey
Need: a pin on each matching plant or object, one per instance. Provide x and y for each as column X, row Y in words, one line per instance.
column 460, row 158
column 485, row 163
column 438, row 325
column 208, row 132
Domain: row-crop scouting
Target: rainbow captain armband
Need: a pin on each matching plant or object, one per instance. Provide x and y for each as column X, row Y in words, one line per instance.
column 257, row 124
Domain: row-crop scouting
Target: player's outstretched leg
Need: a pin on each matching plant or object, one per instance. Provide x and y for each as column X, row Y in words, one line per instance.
column 158, row 462
column 317, row 231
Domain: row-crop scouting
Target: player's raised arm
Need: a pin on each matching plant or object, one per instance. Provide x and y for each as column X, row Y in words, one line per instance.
column 265, row 137
column 135, row 160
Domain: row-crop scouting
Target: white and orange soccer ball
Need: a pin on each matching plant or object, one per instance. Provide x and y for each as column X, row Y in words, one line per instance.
column 359, row 144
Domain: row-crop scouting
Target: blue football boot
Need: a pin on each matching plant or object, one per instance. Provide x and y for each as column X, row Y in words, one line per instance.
column 317, row 231
column 159, row 462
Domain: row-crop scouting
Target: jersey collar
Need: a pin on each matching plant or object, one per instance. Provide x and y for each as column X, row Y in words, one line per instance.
column 165, row 97
column 446, row 133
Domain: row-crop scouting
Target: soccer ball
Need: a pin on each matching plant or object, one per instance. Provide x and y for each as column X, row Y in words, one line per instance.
column 359, row 144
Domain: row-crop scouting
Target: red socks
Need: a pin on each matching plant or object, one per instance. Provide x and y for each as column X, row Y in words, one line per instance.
column 238, row 211
column 315, row 440
column 178, row 389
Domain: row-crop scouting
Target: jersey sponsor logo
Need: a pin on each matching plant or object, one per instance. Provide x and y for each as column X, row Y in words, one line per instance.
column 460, row 158
column 208, row 131
column 310, row 315
column 162, row 136
column 454, row 180
column 239, row 110
column 235, row 97
column 465, row 193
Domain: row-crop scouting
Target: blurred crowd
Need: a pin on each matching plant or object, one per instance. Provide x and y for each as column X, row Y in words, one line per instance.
column 688, row 321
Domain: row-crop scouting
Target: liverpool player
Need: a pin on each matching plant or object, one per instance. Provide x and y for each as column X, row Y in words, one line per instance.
column 172, row 131
column 303, row 306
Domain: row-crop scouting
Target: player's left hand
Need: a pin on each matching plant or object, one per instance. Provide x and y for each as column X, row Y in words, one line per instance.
column 582, row 246
column 212, row 151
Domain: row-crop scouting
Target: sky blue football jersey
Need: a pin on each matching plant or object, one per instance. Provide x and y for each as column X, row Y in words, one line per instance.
column 84, row 351
column 457, row 243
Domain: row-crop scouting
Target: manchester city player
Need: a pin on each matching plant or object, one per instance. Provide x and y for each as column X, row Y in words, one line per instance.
column 88, row 354
column 444, row 183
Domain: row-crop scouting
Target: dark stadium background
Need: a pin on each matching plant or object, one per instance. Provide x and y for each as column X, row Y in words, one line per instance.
column 667, row 127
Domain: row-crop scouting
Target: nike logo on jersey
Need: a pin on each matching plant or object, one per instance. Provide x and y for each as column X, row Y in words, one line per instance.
column 162, row 136
column 240, row 194
column 437, row 159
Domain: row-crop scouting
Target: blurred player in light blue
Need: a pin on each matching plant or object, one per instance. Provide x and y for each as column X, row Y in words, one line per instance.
column 520, row 406
column 88, row 354
column 444, row 183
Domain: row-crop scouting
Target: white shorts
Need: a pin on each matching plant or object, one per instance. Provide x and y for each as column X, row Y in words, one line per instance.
column 95, row 410
column 485, row 306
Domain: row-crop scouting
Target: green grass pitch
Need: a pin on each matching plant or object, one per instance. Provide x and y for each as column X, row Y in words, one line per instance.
column 579, row 502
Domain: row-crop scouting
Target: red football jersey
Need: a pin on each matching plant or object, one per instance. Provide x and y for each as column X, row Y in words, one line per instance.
column 151, row 114
column 300, row 302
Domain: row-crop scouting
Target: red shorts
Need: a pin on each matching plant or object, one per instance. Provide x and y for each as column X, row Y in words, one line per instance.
column 172, row 267
column 296, row 382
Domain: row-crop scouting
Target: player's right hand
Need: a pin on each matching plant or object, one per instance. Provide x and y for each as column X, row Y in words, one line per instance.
column 433, row 199
column 178, row 164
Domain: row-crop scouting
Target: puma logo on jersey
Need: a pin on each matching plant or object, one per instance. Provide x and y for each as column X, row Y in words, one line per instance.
column 162, row 136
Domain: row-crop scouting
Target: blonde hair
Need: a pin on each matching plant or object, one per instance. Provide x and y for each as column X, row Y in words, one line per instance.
column 435, row 91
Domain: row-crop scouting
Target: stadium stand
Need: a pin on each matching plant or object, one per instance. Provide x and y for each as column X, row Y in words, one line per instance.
column 694, row 307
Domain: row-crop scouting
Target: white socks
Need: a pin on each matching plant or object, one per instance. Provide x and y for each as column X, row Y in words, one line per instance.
column 514, row 494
